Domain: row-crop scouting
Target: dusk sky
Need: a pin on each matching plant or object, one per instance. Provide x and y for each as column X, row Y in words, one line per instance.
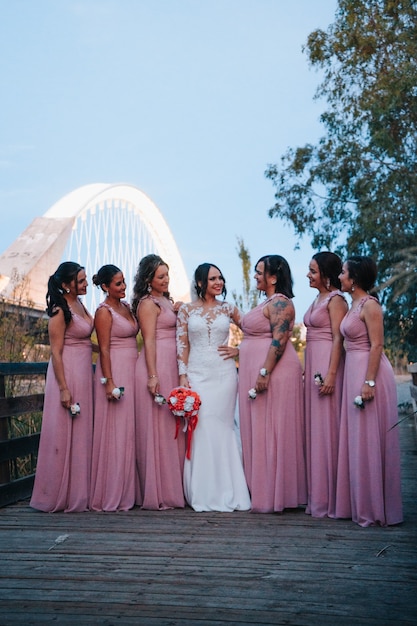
column 189, row 100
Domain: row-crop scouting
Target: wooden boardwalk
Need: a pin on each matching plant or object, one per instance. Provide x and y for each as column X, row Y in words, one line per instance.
column 185, row 568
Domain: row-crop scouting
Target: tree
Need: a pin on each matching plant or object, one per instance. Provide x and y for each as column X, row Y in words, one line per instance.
column 356, row 190
column 249, row 296
column 248, row 299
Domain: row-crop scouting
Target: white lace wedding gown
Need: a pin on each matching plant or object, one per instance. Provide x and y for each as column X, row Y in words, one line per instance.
column 213, row 478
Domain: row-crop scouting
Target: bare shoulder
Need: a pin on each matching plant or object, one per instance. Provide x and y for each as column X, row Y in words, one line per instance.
column 372, row 305
column 371, row 310
column 102, row 313
column 280, row 304
column 338, row 303
column 147, row 304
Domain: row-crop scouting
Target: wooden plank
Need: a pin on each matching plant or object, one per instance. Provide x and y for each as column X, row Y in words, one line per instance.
column 16, row 490
column 19, row 447
column 179, row 567
column 22, row 369
column 22, row 404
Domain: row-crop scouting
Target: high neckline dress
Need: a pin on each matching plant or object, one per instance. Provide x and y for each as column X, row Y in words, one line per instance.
column 213, row 478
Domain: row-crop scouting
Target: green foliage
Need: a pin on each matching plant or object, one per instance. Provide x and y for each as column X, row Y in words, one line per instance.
column 248, row 299
column 356, row 190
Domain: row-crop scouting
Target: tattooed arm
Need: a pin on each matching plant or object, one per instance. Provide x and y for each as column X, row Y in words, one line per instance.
column 281, row 315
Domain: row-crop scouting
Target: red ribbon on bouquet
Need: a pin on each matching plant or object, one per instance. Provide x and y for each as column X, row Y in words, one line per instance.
column 185, row 403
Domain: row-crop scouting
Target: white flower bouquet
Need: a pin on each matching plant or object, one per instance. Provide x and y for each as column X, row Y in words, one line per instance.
column 358, row 401
column 74, row 409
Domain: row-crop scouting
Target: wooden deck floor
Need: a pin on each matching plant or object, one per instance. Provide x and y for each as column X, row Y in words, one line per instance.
column 181, row 567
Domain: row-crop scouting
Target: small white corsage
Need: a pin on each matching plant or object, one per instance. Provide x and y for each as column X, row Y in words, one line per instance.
column 252, row 393
column 74, row 409
column 318, row 379
column 358, row 401
column 103, row 380
column 159, row 399
column 118, row 392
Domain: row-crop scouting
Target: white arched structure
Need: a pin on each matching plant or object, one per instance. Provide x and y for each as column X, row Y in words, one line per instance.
column 93, row 225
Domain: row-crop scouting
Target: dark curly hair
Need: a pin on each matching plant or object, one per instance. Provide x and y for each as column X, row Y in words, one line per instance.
column 276, row 265
column 201, row 276
column 64, row 275
column 144, row 276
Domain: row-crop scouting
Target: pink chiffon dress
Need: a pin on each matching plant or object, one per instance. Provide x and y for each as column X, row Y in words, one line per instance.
column 114, row 464
column 62, row 481
column 368, row 477
column 322, row 412
column 160, row 456
column 271, row 425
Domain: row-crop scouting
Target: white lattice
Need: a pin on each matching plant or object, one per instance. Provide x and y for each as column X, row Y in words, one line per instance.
column 118, row 225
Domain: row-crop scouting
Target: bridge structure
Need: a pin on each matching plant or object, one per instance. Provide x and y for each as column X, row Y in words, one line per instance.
column 93, row 225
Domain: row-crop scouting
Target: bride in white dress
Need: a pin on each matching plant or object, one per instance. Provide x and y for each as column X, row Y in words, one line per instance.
column 213, row 478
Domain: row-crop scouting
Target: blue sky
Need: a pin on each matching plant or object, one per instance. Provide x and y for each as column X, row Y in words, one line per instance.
column 189, row 100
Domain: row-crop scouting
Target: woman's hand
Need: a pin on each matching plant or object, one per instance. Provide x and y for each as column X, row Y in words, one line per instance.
column 65, row 398
column 327, row 388
column 367, row 392
column 262, row 383
column 109, row 389
column 228, row 352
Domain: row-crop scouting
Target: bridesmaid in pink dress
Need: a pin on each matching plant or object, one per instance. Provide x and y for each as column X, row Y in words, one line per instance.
column 159, row 455
column 62, row 478
column 272, row 424
column 323, row 396
column 113, row 465
column 368, row 479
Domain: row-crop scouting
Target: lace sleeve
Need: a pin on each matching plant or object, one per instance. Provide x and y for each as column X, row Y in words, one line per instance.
column 183, row 346
column 236, row 316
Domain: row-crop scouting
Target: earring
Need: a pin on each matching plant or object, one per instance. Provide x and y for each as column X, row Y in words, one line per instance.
column 67, row 290
column 149, row 288
column 328, row 284
column 352, row 289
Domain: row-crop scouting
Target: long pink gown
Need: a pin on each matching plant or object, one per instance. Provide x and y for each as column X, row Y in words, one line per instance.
column 368, row 479
column 113, row 465
column 322, row 412
column 272, row 425
column 62, row 481
column 160, row 457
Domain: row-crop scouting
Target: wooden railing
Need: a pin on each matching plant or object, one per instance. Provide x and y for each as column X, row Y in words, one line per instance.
column 18, row 447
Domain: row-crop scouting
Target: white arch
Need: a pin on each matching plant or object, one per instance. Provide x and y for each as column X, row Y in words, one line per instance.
column 39, row 249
